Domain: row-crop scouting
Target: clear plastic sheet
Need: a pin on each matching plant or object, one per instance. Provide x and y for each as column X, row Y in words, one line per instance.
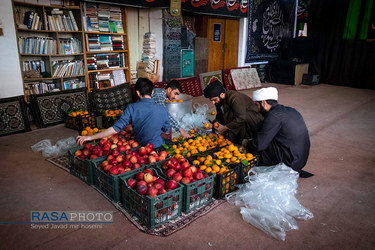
column 268, row 200
column 60, row 148
column 196, row 119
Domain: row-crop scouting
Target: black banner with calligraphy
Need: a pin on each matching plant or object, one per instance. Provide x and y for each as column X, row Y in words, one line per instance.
column 232, row 8
column 270, row 23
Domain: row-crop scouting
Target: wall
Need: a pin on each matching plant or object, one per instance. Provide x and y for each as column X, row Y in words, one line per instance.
column 10, row 71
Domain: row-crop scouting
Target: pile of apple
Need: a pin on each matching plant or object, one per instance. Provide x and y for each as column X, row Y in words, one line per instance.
column 146, row 183
column 127, row 132
column 105, row 147
column 181, row 171
column 118, row 164
column 117, row 142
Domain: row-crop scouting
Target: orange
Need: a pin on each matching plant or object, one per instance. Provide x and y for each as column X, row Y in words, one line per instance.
column 87, row 128
column 215, row 168
column 208, row 170
column 84, row 132
column 213, row 113
column 216, row 125
column 203, row 167
column 96, row 130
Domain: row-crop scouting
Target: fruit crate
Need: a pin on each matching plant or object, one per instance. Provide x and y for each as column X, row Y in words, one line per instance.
column 81, row 168
column 196, row 194
column 152, row 212
column 107, row 183
column 225, row 182
column 246, row 169
column 79, row 123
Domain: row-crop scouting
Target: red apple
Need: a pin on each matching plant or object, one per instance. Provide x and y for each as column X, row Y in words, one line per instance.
column 148, row 171
column 115, row 153
column 126, row 164
column 185, row 164
column 88, row 146
column 113, row 170
column 102, row 141
column 141, row 183
column 141, row 160
column 170, row 172
column 122, row 148
column 131, row 182
column 159, row 181
column 107, row 168
column 181, row 159
column 198, row 176
column 148, row 178
column 151, row 159
column 157, row 186
column 150, row 145
column 120, row 158
column 136, row 165
column 86, row 151
column 187, row 172
column 163, row 153
column 152, row 192
column 177, row 167
column 161, row 191
column 135, row 144
column 171, row 184
column 113, row 162
column 78, row 153
column 133, row 159
column 185, row 180
column 142, row 151
column 177, row 177
column 193, row 169
column 127, row 147
column 93, row 156
column 142, row 189
column 139, row 176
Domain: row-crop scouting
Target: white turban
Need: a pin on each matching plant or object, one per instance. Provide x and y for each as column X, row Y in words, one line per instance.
column 269, row 93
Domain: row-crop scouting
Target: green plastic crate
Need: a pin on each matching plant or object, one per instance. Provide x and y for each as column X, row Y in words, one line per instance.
column 246, row 169
column 82, row 168
column 196, row 194
column 110, row 184
column 225, row 182
column 152, row 212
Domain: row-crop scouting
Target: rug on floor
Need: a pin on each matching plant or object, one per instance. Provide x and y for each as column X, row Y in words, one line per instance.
column 164, row 230
column 13, row 116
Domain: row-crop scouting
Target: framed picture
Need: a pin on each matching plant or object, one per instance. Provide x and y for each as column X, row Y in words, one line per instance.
column 217, row 32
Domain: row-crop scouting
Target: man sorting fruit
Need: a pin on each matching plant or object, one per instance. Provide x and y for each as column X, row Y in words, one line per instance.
column 170, row 93
column 236, row 113
column 148, row 119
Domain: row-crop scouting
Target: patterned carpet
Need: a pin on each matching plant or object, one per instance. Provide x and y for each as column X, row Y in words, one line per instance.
column 13, row 116
column 164, row 230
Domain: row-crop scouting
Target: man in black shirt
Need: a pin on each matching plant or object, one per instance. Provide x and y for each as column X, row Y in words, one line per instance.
column 284, row 136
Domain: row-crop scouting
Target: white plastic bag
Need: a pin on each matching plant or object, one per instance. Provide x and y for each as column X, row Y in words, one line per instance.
column 195, row 120
column 269, row 201
column 60, row 148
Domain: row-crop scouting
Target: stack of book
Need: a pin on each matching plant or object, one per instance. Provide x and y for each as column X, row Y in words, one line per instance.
column 93, row 42
column 149, row 51
column 105, row 42
column 37, row 45
column 115, row 20
column 57, row 21
column 91, row 20
column 117, row 42
column 69, row 46
column 67, row 68
column 91, row 62
column 102, row 61
column 103, row 16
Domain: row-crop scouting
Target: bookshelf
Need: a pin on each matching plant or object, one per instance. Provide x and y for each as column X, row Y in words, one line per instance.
column 106, row 48
column 50, row 45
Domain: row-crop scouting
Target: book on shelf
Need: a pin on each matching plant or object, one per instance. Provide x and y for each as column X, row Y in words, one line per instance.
column 67, row 68
column 69, row 46
column 73, row 84
column 37, row 45
column 102, row 18
column 60, row 21
column 38, row 65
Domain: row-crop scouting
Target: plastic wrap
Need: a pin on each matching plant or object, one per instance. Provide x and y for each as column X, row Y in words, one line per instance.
column 268, row 200
column 196, row 119
column 60, row 148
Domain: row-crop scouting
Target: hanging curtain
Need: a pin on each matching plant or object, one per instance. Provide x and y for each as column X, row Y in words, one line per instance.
column 343, row 54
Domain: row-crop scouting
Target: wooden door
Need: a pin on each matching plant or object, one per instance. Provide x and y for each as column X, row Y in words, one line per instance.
column 223, row 36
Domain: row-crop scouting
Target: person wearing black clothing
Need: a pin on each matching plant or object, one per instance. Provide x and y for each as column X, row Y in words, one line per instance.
column 284, row 136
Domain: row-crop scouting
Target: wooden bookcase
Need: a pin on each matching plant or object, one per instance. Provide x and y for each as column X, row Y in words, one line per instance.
column 94, row 70
column 47, row 63
column 39, row 66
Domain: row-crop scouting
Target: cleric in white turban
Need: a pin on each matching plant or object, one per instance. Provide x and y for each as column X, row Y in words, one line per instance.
column 283, row 136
